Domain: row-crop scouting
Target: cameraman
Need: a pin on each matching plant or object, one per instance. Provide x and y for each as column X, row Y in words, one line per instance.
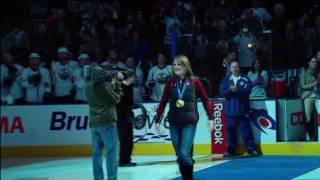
column 102, row 98
column 35, row 79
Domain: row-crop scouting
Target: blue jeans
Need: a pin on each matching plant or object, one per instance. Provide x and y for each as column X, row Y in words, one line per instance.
column 182, row 137
column 107, row 138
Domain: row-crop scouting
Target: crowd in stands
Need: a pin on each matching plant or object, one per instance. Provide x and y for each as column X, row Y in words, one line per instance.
column 44, row 54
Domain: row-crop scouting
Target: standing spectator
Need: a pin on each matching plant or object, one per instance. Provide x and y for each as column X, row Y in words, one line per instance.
column 232, row 55
column 260, row 13
column 11, row 90
column 318, row 56
column 78, row 78
column 199, row 42
column 112, row 60
column 250, row 22
column 247, row 45
column 310, row 85
column 182, row 92
column 236, row 89
column 62, row 77
column 36, row 81
column 102, row 98
column 158, row 76
column 293, row 49
column 138, row 85
column 259, row 79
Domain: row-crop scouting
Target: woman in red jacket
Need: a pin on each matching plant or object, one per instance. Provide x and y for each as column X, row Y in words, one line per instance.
column 182, row 93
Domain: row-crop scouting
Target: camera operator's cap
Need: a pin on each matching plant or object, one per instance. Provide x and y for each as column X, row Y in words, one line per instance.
column 34, row 55
column 83, row 56
column 62, row 50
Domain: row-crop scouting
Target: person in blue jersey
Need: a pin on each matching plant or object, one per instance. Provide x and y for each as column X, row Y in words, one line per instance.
column 236, row 90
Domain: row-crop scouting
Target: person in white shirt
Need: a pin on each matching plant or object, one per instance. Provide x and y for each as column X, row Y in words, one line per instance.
column 11, row 90
column 259, row 79
column 36, row 81
column 158, row 76
column 62, row 72
column 78, row 78
column 138, row 85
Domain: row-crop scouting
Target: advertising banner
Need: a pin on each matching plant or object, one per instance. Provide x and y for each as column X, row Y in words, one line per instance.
column 263, row 124
column 44, row 125
column 47, row 125
column 144, row 132
column 291, row 120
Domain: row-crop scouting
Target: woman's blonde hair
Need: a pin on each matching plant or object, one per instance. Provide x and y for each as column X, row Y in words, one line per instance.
column 184, row 61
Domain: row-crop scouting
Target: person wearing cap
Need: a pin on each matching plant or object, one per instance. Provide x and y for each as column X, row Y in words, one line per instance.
column 35, row 79
column 102, row 98
column 62, row 72
column 78, row 77
column 11, row 90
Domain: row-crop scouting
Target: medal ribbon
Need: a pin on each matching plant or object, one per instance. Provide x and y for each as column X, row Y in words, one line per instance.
column 181, row 92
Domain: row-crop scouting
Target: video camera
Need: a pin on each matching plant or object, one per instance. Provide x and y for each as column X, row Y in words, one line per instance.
column 102, row 73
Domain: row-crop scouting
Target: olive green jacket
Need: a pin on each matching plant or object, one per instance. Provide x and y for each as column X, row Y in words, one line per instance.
column 102, row 99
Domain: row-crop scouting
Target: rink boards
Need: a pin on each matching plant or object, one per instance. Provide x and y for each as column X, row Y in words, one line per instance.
column 63, row 130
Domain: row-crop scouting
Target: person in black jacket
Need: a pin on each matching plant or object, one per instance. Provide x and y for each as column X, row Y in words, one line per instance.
column 125, row 114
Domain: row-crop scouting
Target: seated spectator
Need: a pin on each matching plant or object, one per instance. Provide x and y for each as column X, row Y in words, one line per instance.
column 78, row 78
column 62, row 77
column 11, row 90
column 259, row 79
column 310, row 86
column 35, row 79
column 158, row 76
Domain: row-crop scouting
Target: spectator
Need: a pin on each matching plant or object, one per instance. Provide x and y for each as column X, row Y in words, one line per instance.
column 250, row 22
column 259, row 79
column 318, row 56
column 78, row 78
column 36, row 81
column 138, row 85
column 112, row 60
column 158, row 76
column 62, row 77
column 247, row 45
column 11, row 90
column 310, row 85
column 236, row 89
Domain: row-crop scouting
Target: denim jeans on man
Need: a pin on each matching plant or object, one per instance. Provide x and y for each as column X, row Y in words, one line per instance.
column 107, row 138
column 182, row 137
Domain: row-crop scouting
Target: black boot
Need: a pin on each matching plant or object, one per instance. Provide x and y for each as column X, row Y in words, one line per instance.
column 310, row 130
column 186, row 171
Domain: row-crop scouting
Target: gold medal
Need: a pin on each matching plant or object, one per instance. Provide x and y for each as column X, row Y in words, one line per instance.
column 179, row 103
